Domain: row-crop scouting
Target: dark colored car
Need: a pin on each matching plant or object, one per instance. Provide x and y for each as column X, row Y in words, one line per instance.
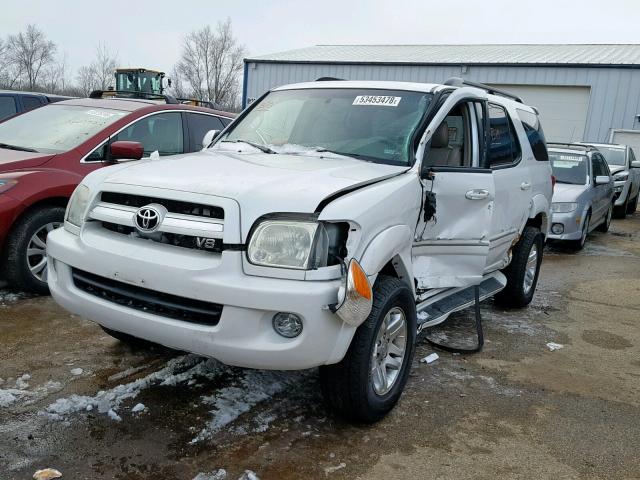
column 46, row 152
column 13, row 103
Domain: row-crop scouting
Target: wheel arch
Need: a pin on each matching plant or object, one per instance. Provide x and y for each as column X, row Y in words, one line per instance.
column 389, row 253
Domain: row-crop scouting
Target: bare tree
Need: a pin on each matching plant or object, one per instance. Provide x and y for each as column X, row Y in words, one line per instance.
column 99, row 74
column 104, row 66
column 29, row 52
column 211, row 62
column 54, row 77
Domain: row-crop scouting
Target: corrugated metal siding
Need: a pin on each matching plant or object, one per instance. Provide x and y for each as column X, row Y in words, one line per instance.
column 615, row 92
column 604, row 54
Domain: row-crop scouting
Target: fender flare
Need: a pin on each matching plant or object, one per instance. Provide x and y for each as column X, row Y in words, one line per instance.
column 392, row 244
column 540, row 205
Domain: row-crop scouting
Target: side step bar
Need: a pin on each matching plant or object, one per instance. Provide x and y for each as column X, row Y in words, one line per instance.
column 436, row 309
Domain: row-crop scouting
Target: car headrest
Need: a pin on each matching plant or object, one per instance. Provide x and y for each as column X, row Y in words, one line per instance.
column 440, row 137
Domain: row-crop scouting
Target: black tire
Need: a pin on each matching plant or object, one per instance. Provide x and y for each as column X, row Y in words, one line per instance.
column 606, row 223
column 633, row 205
column 16, row 269
column 348, row 386
column 515, row 294
column 578, row 245
column 620, row 211
column 128, row 339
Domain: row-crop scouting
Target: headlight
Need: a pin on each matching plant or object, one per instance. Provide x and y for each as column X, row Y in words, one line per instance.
column 563, row 207
column 620, row 176
column 78, row 206
column 7, row 184
column 283, row 243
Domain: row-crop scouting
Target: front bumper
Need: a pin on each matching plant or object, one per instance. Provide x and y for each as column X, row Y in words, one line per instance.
column 572, row 224
column 621, row 192
column 10, row 208
column 244, row 335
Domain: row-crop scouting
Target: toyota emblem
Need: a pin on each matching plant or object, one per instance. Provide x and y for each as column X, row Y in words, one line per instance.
column 147, row 219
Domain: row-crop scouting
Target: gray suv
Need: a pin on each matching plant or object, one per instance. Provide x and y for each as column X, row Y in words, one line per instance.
column 583, row 194
column 626, row 176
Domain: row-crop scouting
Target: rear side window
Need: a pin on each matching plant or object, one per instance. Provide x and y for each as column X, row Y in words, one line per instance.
column 161, row 132
column 199, row 125
column 7, row 107
column 504, row 148
column 30, row 103
column 535, row 135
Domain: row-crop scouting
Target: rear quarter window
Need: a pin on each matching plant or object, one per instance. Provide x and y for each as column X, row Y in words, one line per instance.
column 535, row 135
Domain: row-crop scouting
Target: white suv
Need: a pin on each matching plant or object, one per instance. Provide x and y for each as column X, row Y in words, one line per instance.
column 326, row 226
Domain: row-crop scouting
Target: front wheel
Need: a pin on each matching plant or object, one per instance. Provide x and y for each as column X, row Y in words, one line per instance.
column 579, row 244
column 633, row 205
column 370, row 379
column 621, row 210
column 604, row 226
column 522, row 273
column 26, row 251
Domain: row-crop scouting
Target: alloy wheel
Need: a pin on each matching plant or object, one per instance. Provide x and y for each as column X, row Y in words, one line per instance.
column 389, row 351
column 37, row 251
column 532, row 267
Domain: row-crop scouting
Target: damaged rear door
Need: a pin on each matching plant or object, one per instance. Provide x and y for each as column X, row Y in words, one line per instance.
column 451, row 242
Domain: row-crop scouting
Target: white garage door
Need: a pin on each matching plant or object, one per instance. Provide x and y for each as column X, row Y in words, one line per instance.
column 563, row 110
column 628, row 137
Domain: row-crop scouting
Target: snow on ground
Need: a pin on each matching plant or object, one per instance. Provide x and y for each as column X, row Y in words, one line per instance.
column 10, row 296
column 252, row 388
column 22, row 393
column 175, row 371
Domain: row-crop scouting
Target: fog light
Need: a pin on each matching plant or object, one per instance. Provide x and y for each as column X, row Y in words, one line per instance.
column 557, row 228
column 289, row 325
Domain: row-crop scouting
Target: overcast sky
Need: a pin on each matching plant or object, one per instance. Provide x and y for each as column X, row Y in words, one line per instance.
column 149, row 33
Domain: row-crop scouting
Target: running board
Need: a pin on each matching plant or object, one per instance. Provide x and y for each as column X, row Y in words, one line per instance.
column 436, row 309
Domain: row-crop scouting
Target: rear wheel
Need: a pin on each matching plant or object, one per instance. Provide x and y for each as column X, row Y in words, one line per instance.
column 604, row 226
column 370, row 379
column 26, row 252
column 522, row 273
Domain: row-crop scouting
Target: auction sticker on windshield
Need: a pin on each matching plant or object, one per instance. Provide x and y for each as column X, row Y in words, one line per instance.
column 379, row 100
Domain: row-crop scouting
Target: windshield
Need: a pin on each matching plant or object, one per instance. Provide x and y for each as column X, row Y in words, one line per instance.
column 614, row 156
column 569, row 168
column 374, row 125
column 56, row 128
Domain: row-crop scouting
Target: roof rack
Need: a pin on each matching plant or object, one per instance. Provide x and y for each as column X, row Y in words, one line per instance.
column 328, row 79
column 459, row 82
column 125, row 94
column 576, row 145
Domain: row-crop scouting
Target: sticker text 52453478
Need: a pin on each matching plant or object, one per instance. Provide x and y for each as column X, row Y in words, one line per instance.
column 379, row 100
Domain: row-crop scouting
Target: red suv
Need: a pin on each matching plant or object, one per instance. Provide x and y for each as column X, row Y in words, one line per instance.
column 46, row 152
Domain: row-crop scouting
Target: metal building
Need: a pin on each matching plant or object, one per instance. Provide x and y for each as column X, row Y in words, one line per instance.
column 584, row 92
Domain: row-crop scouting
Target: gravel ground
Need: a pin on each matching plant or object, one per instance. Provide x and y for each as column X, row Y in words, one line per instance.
column 74, row 399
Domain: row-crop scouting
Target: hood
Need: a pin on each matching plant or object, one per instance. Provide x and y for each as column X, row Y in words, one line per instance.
column 15, row 159
column 261, row 183
column 616, row 168
column 564, row 192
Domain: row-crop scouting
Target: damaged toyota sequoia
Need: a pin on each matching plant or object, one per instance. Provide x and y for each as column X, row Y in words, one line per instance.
column 325, row 227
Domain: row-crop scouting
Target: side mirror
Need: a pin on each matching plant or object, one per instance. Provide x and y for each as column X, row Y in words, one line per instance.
column 603, row 180
column 209, row 137
column 125, row 150
column 635, row 164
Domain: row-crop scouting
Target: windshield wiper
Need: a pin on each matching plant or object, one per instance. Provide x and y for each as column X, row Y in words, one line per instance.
column 262, row 148
column 16, row 147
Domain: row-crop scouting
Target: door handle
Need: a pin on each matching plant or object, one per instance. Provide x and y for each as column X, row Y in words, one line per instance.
column 477, row 194
column 525, row 185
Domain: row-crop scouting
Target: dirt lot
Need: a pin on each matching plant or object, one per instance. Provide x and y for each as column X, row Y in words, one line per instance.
column 74, row 399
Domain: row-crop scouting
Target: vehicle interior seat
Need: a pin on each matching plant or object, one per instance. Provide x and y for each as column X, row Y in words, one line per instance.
column 441, row 153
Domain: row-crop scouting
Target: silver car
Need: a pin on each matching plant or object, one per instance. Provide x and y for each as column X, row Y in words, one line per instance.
column 583, row 194
column 626, row 176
